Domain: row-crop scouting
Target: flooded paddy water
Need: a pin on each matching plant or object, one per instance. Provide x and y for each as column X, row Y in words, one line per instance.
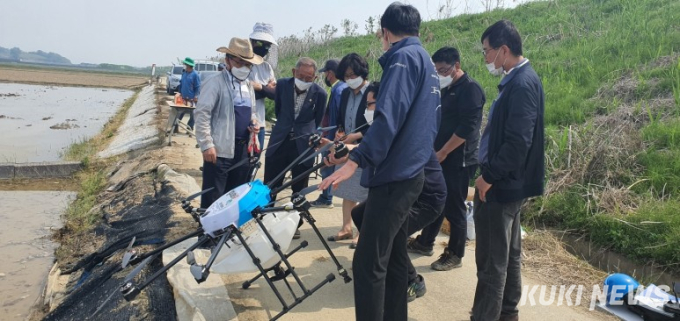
column 28, row 219
column 37, row 124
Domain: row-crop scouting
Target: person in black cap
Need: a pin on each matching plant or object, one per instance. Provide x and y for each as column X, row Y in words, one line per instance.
column 336, row 87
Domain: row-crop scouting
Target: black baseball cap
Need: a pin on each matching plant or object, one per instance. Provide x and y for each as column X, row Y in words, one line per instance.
column 330, row 65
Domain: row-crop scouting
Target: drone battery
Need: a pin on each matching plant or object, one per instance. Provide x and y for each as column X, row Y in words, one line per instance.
column 235, row 207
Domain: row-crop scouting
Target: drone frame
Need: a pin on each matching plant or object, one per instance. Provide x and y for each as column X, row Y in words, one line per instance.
column 201, row 272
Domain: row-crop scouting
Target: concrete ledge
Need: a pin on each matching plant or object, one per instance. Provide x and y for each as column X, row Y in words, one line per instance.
column 6, row 171
column 39, row 170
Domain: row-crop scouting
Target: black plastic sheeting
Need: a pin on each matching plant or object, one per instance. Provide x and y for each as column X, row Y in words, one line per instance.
column 100, row 277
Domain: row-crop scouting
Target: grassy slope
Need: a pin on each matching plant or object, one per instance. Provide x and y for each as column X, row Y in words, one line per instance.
column 584, row 49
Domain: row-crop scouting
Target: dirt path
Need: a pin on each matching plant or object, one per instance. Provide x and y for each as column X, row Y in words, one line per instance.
column 69, row 78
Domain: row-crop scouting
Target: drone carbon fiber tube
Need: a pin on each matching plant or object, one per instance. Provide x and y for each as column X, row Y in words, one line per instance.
column 341, row 151
column 313, row 143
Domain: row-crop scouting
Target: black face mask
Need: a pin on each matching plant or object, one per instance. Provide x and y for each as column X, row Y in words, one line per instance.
column 327, row 82
column 261, row 51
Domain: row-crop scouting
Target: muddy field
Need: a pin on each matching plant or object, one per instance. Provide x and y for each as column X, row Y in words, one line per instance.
column 69, row 78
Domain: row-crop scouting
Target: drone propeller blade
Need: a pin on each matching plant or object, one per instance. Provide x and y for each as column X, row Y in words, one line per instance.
column 237, row 165
column 309, row 189
column 324, row 129
column 191, row 197
column 138, row 269
column 320, row 151
column 129, row 253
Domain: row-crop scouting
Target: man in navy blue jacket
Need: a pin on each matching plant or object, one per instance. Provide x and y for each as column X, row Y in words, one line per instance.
column 511, row 153
column 393, row 154
column 299, row 104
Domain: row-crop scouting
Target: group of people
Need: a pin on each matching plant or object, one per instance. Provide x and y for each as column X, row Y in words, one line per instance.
column 415, row 143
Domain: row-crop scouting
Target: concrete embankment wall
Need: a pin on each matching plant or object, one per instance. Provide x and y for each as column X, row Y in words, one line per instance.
column 137, row 131
column 39, row 170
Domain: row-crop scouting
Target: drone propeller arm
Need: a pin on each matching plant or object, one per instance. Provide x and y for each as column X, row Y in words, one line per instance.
column 314, row 142
column 297, row 178
column 162, row 248
column 341, row 151
column 130, row 291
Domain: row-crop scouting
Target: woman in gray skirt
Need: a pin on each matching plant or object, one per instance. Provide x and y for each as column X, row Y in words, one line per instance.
column 357, row 111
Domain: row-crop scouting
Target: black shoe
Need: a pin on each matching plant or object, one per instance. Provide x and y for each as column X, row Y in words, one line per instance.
column 321, row 204
column 296, row 235
column 414, row 246
column 447, row 261
column 416, row 289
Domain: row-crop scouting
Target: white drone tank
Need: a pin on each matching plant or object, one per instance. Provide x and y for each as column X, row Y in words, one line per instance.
column 233, row 258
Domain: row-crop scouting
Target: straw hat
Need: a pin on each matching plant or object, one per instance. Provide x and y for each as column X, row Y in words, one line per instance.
column 243, row 49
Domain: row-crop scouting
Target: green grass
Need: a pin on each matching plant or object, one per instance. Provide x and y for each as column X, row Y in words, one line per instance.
column 594, row 57
column 662, row 158
column 651, row 232
column 576, row 46
column 78, row 215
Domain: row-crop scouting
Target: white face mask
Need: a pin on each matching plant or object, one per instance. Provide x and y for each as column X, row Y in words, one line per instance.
column 445, row 81
column 354, row 83
column 369, row 115
column 302, row 85
column 240, row 73
column 492, row 67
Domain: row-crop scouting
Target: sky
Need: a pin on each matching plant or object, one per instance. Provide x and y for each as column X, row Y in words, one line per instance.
column 144, row 32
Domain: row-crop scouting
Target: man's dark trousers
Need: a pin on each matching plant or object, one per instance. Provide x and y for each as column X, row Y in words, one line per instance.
column 457, row 180
column 284, row 156
column 380, row 261
column 326, row 195
column 421, row 214
column 498, row 258
column 216, row 175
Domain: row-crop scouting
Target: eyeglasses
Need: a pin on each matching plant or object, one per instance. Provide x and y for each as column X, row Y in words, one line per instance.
column 485, row 51
column 444, row 71
column 238, row 62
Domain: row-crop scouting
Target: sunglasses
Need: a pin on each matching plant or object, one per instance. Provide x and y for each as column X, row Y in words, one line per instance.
column 262, row 44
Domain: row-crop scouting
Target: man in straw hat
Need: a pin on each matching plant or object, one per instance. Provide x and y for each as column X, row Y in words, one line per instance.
column 262, row 77
column 225, row 119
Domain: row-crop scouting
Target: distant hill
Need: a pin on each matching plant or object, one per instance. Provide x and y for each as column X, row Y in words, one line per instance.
column 18, row 55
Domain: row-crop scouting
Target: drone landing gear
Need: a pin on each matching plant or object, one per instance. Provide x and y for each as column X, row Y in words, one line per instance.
column 283, row 269
column 280, row 274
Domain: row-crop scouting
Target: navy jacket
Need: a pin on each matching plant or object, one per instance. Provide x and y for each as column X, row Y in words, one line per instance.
column 400, row 140
column 515, row 162
column 434, row 188
column 306, row 123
